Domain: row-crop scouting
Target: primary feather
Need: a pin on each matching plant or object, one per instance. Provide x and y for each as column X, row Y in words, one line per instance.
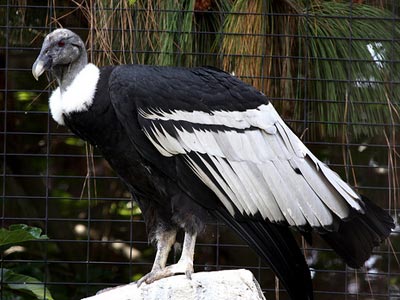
column 196, row 142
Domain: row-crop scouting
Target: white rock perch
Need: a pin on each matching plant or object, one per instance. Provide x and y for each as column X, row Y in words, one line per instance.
column 221, row 285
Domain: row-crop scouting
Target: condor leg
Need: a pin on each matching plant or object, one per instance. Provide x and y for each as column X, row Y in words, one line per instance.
column 185, row 263
column 165, row 240
column 183, row 266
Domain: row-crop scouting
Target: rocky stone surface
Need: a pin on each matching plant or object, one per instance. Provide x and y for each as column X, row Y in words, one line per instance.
column 230, row 284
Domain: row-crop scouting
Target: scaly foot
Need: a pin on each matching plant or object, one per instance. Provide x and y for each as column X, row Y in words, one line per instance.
column 179, row 268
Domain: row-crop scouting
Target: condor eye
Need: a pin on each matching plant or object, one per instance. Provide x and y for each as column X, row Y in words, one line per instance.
column 61, row 44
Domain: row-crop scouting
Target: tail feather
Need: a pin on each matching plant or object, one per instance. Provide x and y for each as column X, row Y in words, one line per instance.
column 356, row 237
column 277, row 246
column 353, row 239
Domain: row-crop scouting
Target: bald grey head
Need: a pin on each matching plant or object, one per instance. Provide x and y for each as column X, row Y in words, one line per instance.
column 64, row 54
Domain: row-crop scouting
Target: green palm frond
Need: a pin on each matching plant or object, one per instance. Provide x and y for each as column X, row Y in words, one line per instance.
column 351, row 60
column 334, row 56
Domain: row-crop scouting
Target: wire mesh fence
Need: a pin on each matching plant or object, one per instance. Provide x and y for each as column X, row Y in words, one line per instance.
column 331, row 68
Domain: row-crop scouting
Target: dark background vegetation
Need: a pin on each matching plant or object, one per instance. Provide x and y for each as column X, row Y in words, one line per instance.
column 330, row 67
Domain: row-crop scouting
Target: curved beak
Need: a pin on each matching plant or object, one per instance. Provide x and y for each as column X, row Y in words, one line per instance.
column 42, row 63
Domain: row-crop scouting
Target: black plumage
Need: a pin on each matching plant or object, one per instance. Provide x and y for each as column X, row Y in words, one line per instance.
column 197, row 143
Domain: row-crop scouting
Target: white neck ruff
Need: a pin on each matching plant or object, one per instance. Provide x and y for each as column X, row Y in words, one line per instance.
column 78, row 95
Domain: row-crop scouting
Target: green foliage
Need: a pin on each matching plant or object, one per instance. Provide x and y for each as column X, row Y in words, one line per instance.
column 177, row 26
column 19, row 233
column 23, row 287
column 333, row 54
column 349, row 64
column 24, row 96
column 74, row 141
column 18, row 286
column 125, row 209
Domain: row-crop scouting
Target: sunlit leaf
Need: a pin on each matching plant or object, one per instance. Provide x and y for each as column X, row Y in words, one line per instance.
column 74, row 141
column 19, row 233
column 136, row 277
column 24, row 284
column 24, row 96
column 129, row 209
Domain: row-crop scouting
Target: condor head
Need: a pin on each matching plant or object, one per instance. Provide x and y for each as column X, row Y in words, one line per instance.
column 63, row 53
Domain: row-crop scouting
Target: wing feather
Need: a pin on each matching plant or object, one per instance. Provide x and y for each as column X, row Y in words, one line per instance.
column 284, row 195
column 209, row 143
column 203, row 176
column 314, row 210
column 256, row 163
column 252, row 188
column 157, row 144
column 236, row 185
column 190, row 141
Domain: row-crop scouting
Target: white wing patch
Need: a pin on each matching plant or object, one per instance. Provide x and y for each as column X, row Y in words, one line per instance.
column 258, row 167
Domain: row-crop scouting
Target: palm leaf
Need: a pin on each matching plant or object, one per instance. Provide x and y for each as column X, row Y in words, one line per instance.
column 349, row 67
column 335, row 57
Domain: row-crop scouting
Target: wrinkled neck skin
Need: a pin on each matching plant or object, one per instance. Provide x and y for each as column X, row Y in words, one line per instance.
column 65, row 74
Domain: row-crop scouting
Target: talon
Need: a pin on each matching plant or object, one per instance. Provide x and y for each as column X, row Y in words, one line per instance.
column 140, row 281
column 188, row 274
column 154, row 276
column 169, row 271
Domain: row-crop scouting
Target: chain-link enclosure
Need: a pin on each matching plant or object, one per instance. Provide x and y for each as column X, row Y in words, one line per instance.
column 331, row 68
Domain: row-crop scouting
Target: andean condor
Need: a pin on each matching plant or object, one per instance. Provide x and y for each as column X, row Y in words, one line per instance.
column 193, row 142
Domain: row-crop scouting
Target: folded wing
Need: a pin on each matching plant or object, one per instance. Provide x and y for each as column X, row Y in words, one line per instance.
column 254, row 163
